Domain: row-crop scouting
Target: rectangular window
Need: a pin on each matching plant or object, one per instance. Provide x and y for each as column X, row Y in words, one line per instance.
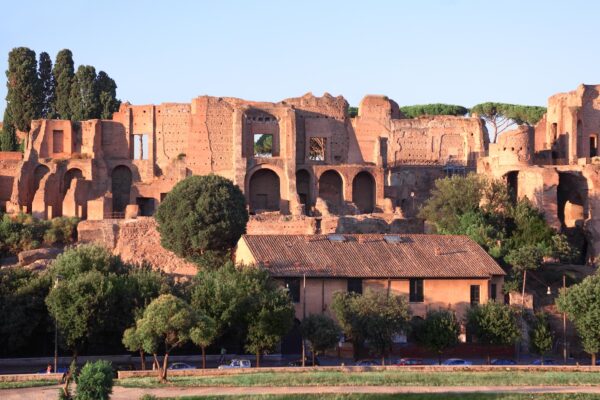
column 316, row 149
column 58, row 139
column 416, row 291
column 263, row 145
column 140, row 147
column 293, row 286
column 474, row 295
column 494, row 293
column 355, row 285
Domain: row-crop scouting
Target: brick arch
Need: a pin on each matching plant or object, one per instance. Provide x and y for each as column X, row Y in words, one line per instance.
column 38, row 174
column 121, row 180
column 331, row 189
column 304, row 187
column 72, row 173
column 263, row 189
column 364, row 191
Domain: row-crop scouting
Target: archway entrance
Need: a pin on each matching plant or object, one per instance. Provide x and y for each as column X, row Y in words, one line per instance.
column 512, row 183
column 331, row 190
column 572, row 201
column 303, row 189
column 121, row 188
column 363, row 192
column 38, row 174
column 70, row 175
column 264, row 191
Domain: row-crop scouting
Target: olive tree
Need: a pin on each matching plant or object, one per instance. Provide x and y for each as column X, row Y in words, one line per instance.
column 321, row 331
column 438, row 331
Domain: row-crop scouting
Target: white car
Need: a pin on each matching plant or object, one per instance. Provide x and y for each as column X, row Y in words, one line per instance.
column 237, row 363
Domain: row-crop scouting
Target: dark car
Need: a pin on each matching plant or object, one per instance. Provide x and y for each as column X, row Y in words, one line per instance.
column 456, row 361
column 180, row 365
column 367, row 363
column 409, row 361
column 307, row 362
column 547, row 361
column 503, row 361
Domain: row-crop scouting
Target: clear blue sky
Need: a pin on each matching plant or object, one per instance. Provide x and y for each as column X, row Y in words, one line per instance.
column 453, row 51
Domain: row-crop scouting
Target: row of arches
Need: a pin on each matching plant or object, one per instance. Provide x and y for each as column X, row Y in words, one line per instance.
column 41, row 171
column 264, row 190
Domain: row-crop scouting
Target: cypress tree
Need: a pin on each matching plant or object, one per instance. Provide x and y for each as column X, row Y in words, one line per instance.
column 63, row 73
column 48, row 86
column 84, row 101
column 24, row 94
column 8, row 135
column 107, row 90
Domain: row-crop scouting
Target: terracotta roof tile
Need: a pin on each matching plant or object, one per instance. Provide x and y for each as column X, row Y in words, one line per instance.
column 371, row 256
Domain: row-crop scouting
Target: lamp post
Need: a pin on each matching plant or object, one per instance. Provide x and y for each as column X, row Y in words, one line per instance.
column 56, row 280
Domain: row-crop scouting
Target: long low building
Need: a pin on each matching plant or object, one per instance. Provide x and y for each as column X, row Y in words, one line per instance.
column 432, row 271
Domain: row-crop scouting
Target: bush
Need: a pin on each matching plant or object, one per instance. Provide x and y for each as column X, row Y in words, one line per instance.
column 95, row 381
column 62, row 230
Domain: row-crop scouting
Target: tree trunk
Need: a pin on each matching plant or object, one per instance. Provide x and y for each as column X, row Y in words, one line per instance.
column 203, row 357
column 313, row 358
column 157, row 365
column 488, row 359
column 163, row 378
column 523, row 291
column 257, row 359
column 382, row 359
column 593, row 358
column 143, row 359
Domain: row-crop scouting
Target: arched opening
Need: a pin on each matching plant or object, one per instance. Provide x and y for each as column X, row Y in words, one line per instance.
column 73, row 173
column 38, row 174
column 264, row 191
column 512, row 183
column 121, row 188
column 571, row 196
column 363, row 192
column 331, row 190
column 303, row 189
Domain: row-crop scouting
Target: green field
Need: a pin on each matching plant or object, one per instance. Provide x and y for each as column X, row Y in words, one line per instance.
column 378, row 378
column 26, row 384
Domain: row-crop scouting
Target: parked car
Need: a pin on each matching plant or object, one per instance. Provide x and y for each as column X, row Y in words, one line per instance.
column 547, row 361
column 456, row 361
column 367, row 363
column 503, row 361
column 307, row 362
column 237, row 363
column 409, row 361
column 180, row 365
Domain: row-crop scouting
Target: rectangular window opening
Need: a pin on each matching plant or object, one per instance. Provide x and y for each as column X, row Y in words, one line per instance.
column 58, row 138
column 355, row 285
column 475, row 295
column 293, row 287
column 316, row 150
column 416, row 291
column 263, row 145
column 140, row 146
column 145, row 206
column 494, row 293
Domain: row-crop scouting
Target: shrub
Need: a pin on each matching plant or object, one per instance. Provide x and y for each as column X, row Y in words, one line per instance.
column 62, row 230
column 95, row 381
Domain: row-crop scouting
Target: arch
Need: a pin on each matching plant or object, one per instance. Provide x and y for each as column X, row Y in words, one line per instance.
column 264, row 189
column 512, row 183
column 38, row 174
column 363, row 192
column 303, row 188
column 121, row 187
column 331, row 189
column 73, row 173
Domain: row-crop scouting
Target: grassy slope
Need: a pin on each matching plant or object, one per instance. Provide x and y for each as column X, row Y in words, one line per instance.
column 408, row 397
column 391, row 378
column 25, row 384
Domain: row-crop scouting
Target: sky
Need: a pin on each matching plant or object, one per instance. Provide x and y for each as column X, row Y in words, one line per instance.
column 449, row 51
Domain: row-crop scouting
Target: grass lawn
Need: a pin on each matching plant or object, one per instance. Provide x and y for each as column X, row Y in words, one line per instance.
column 378, row 378
column 26, row 384
column 470, row 396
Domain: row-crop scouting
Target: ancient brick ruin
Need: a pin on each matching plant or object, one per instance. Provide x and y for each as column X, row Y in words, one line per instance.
column 322, row 170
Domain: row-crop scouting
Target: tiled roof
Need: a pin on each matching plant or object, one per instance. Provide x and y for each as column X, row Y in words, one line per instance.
column 372, row 256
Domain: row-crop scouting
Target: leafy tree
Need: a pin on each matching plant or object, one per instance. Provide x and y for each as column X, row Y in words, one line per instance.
column 321, row 331
column 64, row 73
column 438, row 331
column 202, row 216
column 85, row 99
column 523, row 259
column 541, row 336
column 203, row 334
column 433, row 109
column 271, row 318
column 581, row 303
column 91, row 302
column 264, row 145
column 95, row 381
column 24, row 90
column 48, row 85
column 374, row 316
column 501, row 116
column 352, row 112
column 493, row 323
column 133, row 342
column 107, row 95
column 22, row 309
column 166, row 324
